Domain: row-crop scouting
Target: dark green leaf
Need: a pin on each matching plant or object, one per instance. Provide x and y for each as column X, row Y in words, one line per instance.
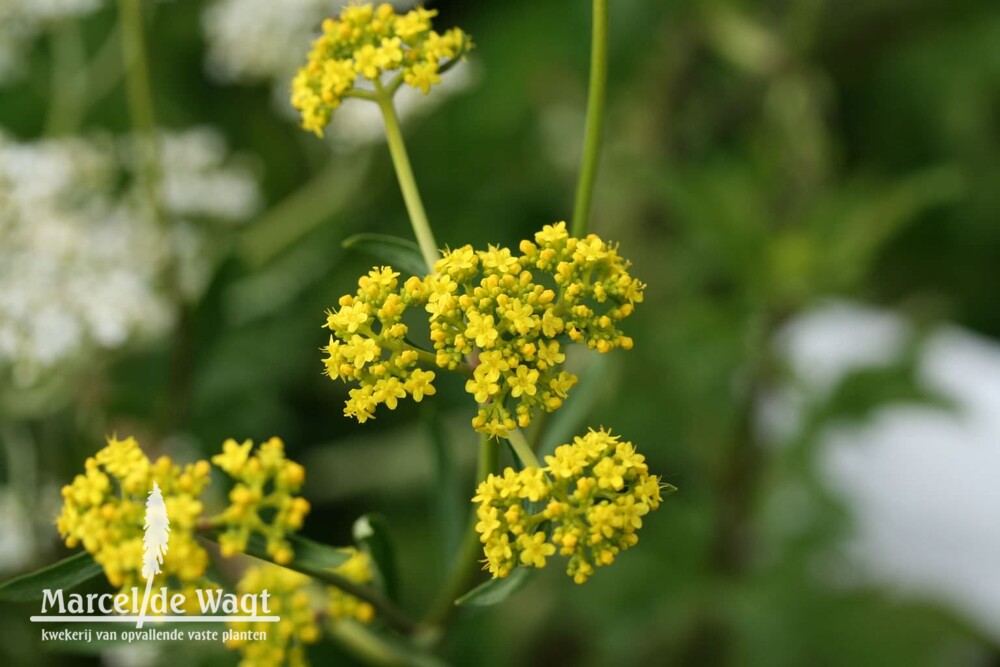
column 401, row 254
column 496, row 591
column 66, row 574
column 310, row 557
column 371, row 532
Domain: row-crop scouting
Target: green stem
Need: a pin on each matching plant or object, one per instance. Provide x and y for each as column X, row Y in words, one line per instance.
column 522, row 449
column 69, row 80
column 363, row 643
column 140, row 97
column 407, row 183
column 464, row 567
column 594, row 131
column 374, row 649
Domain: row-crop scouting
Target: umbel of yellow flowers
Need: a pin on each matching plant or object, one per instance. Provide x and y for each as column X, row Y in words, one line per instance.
column 505, row 319
column 103, row 508
column 368, row 43
column 103, row 511
column 587, row 503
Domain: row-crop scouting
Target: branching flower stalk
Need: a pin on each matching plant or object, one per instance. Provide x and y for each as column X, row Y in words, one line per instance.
column 369, row 53
column 491, row 311
column 500, row 318
column 404, row 172
column 140, row 97
column 139, row 93
column 105, row 511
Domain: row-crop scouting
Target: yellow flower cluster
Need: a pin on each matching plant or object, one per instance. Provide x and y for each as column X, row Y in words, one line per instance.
column 298, row 601
column 262, row 501
column 496, row 310
column 507, row 318
column 104, row 508
column 285, row 640
column 358, row 569
column 587, row 503
column 368, row 344
column 370, row 42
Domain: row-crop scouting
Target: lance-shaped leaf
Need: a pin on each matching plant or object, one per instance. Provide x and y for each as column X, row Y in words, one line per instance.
column 66, row 574
column 496, row 591
column 401, row 254
column 371, row 532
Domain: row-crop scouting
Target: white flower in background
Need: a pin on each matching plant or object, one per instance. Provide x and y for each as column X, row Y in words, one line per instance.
column 199, row 180
column 17, row 541
column 21, row 21
column 920, row 481
column 254, row 41
column 44, row 10
column 82, row 260
column 250, row 41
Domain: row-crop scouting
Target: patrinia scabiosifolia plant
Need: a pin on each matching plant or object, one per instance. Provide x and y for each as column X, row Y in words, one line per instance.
column 501, row 318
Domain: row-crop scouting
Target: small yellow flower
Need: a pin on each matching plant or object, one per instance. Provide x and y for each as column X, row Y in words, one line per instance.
column 523, row 382
column 419, row 384
column 534, row 549
column 481, row 329
column 422, row 76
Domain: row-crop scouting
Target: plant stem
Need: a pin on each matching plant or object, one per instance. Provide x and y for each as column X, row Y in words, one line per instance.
column 522, row 449
column 69, row 80
column 465, row 563
column 364, row 644
column 740, row 479
column 105, row 69
column 140, row 97
column 594, row 131
column 387, row 610
column 407, row 183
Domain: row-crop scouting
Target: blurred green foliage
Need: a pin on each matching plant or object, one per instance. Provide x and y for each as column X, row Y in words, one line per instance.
column 761, row 157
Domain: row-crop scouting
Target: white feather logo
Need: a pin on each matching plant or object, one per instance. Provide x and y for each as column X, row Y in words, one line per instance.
column 154, row 542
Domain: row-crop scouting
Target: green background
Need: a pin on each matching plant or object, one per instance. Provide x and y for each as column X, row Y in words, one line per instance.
column 760, row 158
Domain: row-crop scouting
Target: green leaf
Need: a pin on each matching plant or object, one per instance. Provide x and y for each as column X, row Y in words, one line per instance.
column 400, row 253
column 320, row 561
column 496, row 591
column 66, row 574
column 310, row 558
column 371, row 532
